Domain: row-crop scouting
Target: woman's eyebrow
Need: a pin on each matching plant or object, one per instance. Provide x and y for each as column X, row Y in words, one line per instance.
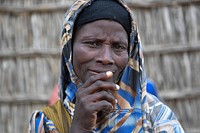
column 120, row 41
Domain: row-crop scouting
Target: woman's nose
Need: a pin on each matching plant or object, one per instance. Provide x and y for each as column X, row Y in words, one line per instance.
column 105, row 55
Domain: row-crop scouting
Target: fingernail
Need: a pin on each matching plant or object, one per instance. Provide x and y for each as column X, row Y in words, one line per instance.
column 117, row 86
column 109, row 73
column 116, row 100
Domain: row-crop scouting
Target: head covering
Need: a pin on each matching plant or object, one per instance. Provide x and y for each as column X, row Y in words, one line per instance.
column 132, row 84
column 104, row 9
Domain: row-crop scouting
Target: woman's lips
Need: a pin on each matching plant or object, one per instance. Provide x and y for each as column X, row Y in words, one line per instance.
column 94, row 72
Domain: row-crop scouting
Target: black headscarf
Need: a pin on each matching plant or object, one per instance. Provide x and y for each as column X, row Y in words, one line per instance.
column 104, row 10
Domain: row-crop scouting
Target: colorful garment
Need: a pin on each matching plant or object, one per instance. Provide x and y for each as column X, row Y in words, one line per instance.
column 137, row 111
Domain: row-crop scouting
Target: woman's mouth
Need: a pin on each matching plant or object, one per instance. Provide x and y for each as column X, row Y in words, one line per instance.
column 94, row 72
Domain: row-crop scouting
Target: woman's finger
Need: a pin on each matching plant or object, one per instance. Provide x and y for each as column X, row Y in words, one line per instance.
column 99, row 86
column 100, row 76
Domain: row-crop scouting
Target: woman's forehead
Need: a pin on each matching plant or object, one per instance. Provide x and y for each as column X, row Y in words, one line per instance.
column 101, row 29
column 102, row 26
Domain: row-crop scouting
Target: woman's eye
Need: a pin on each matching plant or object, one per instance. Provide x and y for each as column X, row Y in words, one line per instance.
column 119, row 47
column 93, row 44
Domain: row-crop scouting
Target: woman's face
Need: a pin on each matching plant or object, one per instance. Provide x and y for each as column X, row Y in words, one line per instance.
column 98, row 47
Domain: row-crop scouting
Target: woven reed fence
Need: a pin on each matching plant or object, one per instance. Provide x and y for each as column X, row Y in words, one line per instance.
column 30, row 56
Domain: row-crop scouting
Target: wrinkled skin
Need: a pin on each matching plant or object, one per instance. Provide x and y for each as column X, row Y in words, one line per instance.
column 98, row 47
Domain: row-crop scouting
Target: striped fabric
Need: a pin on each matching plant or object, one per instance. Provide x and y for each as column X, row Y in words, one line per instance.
column 136, row 110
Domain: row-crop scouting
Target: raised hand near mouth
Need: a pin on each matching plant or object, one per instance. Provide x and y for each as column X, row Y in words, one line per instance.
column 93, row 96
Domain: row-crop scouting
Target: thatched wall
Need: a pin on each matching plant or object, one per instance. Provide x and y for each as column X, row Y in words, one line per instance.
column 171, row 38
column 30, row 55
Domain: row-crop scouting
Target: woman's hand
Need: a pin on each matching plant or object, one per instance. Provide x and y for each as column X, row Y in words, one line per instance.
column 93, row 96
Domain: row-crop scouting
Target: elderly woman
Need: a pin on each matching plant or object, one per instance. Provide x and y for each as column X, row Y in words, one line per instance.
column 103, row 84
